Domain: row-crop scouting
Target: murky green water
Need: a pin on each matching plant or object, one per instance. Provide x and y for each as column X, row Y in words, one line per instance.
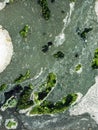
column 28, row 55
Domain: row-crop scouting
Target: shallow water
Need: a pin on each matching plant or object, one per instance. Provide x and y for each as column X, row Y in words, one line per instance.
column 28, row 55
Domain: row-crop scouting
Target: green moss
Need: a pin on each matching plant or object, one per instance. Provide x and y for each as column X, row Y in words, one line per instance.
column 51, row 80
column 48, row 85
column 95, row 60
column 24, row 31
column 21, row 78
column 45, row 9
column 3, row 87
column 24, row 101
column 11, row 124
column 78, row 67
column 10, row 103
column 59, row 55
column 47, row 107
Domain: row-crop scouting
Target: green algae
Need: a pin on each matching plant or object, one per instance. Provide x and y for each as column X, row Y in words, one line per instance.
column 48, row 107
column 3, row 87
column 24, row 31
column 11, row 124
column 45, row 88
column 10, row 103
column 95, row 60
column 22, row 78
column 24, row 101
column 58, row 55
column 45, row 10
column 78, row 67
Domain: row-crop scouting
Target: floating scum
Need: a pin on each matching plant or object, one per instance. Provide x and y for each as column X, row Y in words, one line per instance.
column 6, row 49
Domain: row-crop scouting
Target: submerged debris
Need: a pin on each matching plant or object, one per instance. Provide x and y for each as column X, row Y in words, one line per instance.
column 83, row 34
column 45, row 9
column 45, row 48
column 49, row 44
column 76, row 55
column 14, row 92
column 95, row 60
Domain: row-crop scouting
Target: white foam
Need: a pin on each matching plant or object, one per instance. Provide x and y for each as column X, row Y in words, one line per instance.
column 88, row 104
column 59, row 40
column 6, row 49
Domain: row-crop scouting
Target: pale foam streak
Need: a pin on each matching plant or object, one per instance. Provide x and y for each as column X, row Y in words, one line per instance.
column 59, row 40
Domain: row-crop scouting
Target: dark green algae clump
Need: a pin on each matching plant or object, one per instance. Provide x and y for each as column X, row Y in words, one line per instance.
column 26, row 97
column 45, row 9
column 24, row 101
column 95, row 60
column 48, row 107
column 22, row 77
column 45, row 88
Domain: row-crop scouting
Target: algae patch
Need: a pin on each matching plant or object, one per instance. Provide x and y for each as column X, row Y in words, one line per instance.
column 48, row 107
column 95, row 60
column 22, row 78
column 11, row 124
column 45, row 88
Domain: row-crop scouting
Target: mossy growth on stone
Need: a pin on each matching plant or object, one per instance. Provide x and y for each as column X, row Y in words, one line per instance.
column 59, row 55
column 45, row 10
column 11, row 124
column 3, row 87
column 95, row 60
column 24, row 31
column 48, row 107
column 25, row 101
column 48, row 85
column 51, row 80
column 10, row 103
column 78, row 67
column 22, row 78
